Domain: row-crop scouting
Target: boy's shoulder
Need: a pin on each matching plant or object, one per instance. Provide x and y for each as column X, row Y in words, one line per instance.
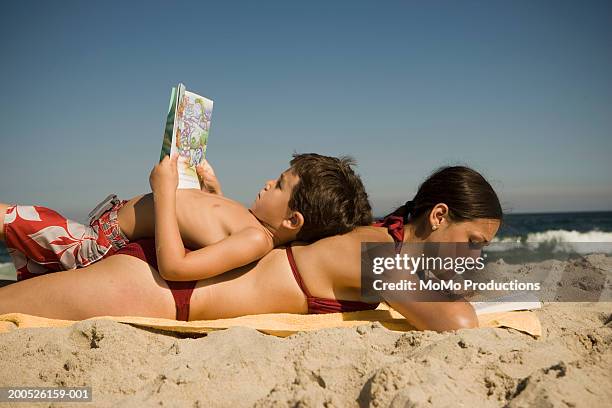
column 257, row 236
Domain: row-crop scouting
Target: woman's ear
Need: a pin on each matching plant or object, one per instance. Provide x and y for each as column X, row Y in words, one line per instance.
column 437, row 215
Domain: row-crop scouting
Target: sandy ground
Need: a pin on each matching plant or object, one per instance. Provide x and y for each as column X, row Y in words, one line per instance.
column 569, row 366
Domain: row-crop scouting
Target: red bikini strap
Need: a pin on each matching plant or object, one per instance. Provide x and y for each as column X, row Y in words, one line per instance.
column 296, row 273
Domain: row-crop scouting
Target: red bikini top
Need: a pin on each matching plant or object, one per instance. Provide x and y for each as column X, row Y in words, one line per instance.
column 317, row 305
column 395, row 228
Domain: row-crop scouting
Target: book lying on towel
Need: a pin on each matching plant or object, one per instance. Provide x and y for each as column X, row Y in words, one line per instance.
column 186, row 133
column 509, row 303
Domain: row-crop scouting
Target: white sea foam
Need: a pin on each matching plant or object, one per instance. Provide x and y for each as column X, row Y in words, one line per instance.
column 504, row 244
column 7, row 271
column 569, row 236
column 559, row 241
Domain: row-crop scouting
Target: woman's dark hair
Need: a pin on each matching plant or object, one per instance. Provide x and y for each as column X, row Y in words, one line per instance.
column 465, row 191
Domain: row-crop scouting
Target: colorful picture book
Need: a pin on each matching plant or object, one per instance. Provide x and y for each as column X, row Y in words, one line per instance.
column 186, row 133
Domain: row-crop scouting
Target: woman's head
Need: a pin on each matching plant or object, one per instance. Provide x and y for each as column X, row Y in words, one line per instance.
column 454, row 204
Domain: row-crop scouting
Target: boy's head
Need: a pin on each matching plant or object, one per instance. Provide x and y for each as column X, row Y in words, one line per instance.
column 318, row 196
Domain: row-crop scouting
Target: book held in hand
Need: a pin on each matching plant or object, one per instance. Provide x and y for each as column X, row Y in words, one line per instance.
column 186, row 133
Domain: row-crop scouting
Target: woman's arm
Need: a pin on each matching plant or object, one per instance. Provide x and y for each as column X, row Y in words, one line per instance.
column 429, row 309
column 438, row 316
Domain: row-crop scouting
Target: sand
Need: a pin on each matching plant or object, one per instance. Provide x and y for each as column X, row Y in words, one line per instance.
column 569, row 366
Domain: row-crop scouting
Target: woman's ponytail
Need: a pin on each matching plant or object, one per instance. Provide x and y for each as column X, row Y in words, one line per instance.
column 465, row 191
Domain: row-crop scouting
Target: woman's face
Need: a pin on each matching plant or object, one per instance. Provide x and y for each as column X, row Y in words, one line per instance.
column 480, row 231
column 464, row 238
column 442, row 229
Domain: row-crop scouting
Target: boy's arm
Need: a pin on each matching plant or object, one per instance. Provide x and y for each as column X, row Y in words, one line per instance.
column 234, row 251
column 173, row 264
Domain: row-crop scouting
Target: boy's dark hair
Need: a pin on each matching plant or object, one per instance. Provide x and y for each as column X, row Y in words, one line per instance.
column 329, row 195
column 466, row 192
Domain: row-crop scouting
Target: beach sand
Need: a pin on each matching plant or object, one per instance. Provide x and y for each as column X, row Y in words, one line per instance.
column 569, row 366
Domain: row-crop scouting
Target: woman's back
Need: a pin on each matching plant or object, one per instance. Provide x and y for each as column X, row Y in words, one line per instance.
column 331, row 267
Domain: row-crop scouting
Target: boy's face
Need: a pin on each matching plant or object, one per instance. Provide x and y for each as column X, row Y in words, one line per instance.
column 272, row 203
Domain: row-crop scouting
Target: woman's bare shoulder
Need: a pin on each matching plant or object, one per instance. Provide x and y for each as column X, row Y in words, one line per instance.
column 335, row 261
column 343, row 244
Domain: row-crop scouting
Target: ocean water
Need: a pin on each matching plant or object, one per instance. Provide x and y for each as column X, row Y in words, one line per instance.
column 4, row 256
column 563, row 227
column 7, row 270
column 552, row 229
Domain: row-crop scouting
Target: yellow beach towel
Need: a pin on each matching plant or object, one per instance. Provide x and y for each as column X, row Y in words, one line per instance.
column 282, row 324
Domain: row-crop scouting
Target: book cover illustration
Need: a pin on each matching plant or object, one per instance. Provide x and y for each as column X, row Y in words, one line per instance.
column 186, row 133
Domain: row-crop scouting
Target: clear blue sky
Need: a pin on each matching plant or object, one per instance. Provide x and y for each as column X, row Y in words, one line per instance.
column 520, row 90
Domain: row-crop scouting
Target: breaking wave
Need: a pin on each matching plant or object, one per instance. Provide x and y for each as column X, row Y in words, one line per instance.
column 558, row 240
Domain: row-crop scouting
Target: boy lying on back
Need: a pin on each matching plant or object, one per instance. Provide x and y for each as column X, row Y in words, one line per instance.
column 318, row 196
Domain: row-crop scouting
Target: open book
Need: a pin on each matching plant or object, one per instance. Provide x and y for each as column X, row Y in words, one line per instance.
column 508, row 303
column 186, row 133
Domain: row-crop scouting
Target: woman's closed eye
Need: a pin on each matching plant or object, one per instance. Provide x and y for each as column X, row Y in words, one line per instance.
column 473, row 244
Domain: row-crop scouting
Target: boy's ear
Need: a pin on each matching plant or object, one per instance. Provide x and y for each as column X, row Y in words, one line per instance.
column 294, row 222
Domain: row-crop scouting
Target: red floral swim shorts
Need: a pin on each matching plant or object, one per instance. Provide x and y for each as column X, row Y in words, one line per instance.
column 40, row 240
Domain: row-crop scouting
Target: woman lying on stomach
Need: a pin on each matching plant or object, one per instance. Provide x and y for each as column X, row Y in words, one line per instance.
column 455, row 204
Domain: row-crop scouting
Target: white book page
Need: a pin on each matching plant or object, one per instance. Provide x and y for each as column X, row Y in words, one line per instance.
column 516, row 301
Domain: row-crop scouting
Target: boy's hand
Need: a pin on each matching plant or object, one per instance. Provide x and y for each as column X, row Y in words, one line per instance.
column 208, row 179
column 164, row 176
